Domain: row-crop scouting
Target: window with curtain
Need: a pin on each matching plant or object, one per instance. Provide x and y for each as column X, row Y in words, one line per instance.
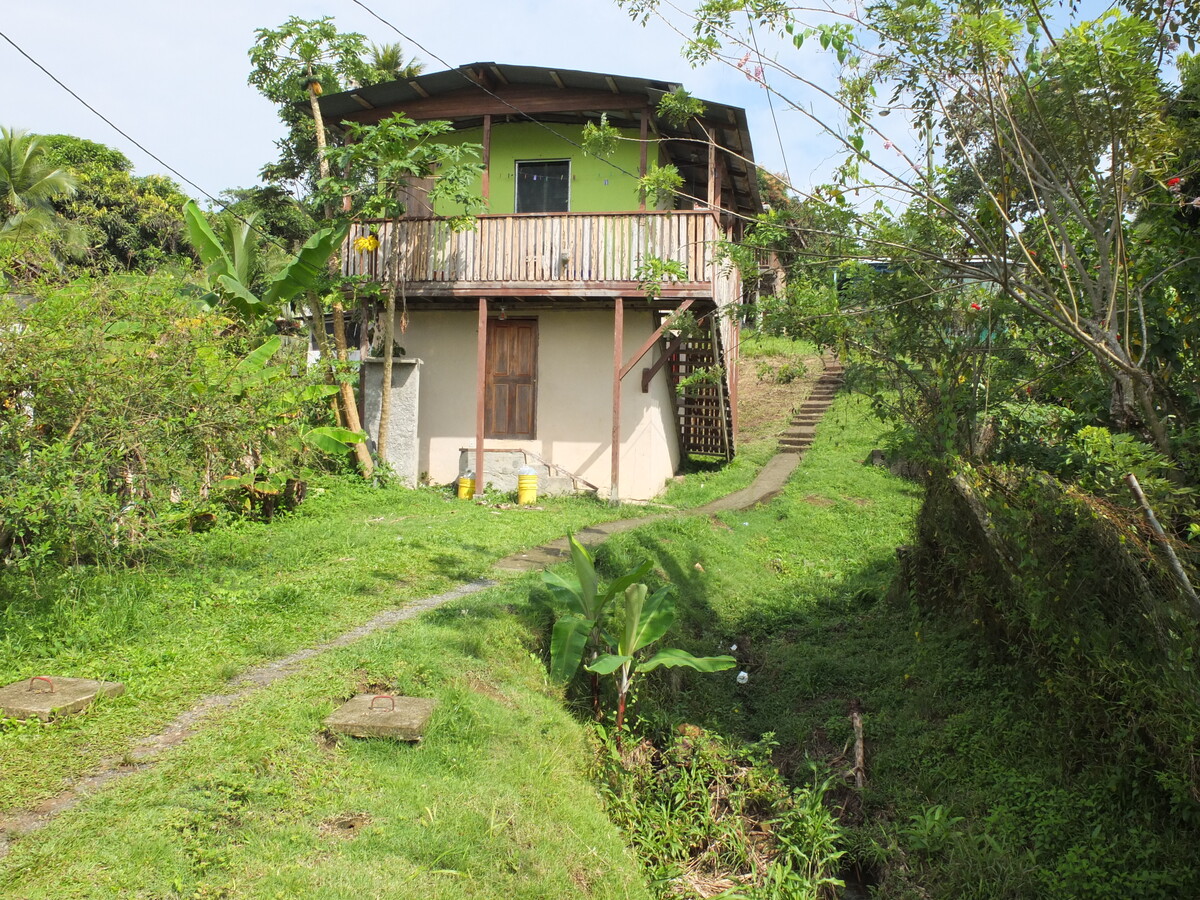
column 543, row 185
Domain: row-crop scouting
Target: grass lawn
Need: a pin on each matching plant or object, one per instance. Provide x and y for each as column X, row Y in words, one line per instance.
column 494, row 803
column 209, row 606
column 214, row 604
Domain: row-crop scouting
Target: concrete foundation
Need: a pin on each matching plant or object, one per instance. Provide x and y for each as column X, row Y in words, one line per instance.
column 47, row 698
column 500, row 468
column 381, row 715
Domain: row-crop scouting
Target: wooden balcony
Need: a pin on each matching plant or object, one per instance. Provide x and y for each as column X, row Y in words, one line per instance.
column 577, row 254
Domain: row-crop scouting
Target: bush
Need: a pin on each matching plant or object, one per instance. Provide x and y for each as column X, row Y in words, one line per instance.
column 121, row 411
column 1077, row 591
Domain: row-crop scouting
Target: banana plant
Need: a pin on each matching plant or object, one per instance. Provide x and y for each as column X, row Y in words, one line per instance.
column 229, row 263
column 647, row 618
column 580, row 631
column 255, row 371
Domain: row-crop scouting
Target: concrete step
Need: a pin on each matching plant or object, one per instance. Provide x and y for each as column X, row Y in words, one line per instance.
column 500, row 471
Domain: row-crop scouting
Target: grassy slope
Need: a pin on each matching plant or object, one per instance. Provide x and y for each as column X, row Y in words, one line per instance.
column 217, row 603
column 494, row 803
column 213, row 604
column 976, row 785
column 970, row 791
column 782, row 582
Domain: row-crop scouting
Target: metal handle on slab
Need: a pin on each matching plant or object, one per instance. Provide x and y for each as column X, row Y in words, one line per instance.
column 382, row 697
column 41, row 678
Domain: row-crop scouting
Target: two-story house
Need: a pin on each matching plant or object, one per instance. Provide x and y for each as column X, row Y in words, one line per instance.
column 529, row 339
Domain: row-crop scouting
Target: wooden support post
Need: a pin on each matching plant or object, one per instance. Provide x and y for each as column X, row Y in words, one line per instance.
column 645, row 134
column 714, row 198
column 860, row 752
column 618, row 354
column 486, row 187
column 734, row 356
column 480, row 394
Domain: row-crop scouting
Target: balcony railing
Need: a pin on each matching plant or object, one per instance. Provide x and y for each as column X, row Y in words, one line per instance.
column 545, row 249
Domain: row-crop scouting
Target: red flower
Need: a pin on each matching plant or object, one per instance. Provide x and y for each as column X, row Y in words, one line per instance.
column 1171, row 182
column 976, row 306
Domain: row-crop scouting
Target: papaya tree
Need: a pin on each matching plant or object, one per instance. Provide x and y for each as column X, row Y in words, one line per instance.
column 375, row 167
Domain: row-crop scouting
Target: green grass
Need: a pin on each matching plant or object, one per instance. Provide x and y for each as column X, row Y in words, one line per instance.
column 214, row 604
column 773, row 580
column 755, row 345
column 494, row 803
column 976, row 784
column 973, row 789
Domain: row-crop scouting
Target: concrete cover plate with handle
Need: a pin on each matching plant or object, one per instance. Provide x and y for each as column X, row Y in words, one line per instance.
column 44, row 697
column 382, row 715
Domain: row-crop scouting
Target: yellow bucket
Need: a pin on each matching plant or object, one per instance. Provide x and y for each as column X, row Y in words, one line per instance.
column 526, row 490
column 466, row 488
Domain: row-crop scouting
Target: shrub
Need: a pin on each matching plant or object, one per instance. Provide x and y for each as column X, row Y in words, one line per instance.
column 121, row 409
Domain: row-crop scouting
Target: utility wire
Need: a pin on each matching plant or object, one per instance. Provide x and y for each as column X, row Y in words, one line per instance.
column 269, row 238
column 111, row 124
column 770, row 97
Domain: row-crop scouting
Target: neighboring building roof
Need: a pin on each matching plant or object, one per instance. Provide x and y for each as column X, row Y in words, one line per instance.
column 515, row 93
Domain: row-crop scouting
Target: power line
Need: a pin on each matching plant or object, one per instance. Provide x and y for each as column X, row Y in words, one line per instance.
column 770, row 97
column 111, row 124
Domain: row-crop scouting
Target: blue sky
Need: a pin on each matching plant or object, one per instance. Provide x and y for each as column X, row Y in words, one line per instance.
column 174, row 75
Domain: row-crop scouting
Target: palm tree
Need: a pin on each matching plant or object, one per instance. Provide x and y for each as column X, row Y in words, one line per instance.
column 28, row 186
column 388, row 63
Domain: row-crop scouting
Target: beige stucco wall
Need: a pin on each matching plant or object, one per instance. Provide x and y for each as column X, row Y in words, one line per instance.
column 574, row 397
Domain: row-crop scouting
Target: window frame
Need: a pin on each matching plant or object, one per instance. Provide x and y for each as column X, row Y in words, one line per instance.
column 517, row 185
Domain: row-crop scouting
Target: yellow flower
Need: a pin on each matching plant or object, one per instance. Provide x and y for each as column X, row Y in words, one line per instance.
column 367, row 244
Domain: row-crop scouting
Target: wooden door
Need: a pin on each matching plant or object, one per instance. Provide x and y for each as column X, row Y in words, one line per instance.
column 510, row 389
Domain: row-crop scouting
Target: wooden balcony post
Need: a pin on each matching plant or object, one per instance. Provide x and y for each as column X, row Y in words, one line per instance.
column 714, row 198
column 480, row 394
column 486, row 186
column 618, row 360
column 645, row 133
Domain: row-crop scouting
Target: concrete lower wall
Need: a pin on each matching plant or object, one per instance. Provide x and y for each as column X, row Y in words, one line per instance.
column 574, row 398
column 403, row 428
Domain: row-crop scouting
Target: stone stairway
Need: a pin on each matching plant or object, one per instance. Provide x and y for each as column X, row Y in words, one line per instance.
column 799, row 435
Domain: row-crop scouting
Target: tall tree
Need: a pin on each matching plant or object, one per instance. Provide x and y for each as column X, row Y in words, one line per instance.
column 1027, row 136
column 128, row 221
column 296, row 63
column 29, row 185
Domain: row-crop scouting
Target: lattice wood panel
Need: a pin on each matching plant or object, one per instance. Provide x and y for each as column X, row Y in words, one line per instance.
column 704, row 415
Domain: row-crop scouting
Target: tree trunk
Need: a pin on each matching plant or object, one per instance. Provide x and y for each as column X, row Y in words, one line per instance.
column 392, row 279
column 319, row 125
column 317, row 323
column 349, row 404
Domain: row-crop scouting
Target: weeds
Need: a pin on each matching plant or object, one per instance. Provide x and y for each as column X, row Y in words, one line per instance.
column 705, row 815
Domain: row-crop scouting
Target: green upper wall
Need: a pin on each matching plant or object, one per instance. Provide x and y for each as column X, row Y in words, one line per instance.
column 597, row 185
